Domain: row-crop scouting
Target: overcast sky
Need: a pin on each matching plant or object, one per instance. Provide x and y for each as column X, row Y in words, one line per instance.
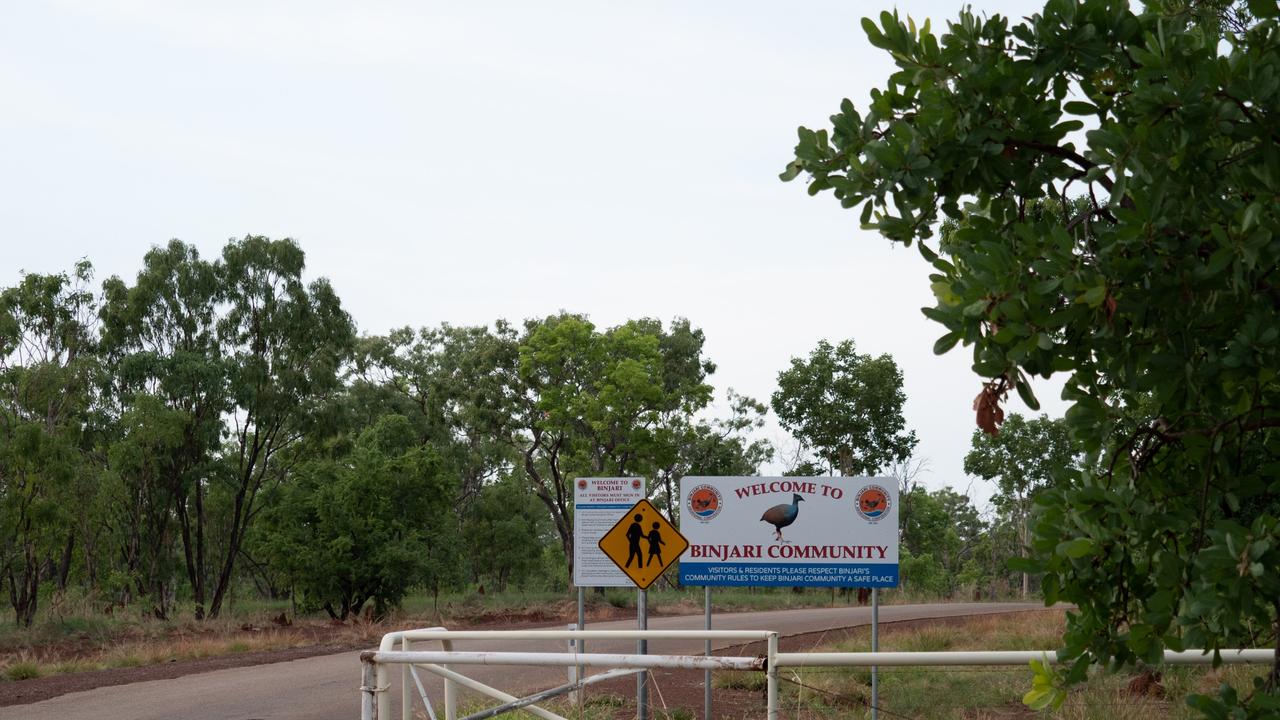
column 465, row 162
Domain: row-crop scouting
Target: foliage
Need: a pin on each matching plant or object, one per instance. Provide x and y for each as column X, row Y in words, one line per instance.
column 504, row 531
column 846, row 407
column 940, row 532
column 285, row 341
column 720, row 446
column 1023, row 459
column 591, row 402
column 1157, row 297
column 160, row 342
column 369, row 526
column 47, row 369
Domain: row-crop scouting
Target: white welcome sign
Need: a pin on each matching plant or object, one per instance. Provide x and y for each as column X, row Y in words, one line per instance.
column 790, row 531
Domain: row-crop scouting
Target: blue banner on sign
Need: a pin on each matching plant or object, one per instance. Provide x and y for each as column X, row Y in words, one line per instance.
column 605, row 506
column 787, row 575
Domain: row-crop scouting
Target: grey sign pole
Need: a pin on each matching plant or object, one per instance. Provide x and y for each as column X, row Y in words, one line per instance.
column 642, row 648
column 706, row 674
column 875, row 647
column 581, row 645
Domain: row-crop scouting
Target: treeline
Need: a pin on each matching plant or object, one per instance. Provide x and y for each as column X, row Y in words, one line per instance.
column 219, row 425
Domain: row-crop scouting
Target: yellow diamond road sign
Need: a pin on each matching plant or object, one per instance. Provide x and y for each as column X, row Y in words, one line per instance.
column 643, row 544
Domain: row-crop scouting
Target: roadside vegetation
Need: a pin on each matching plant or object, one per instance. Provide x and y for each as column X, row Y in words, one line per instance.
column 80, row 639
column 957, row 693
column 212, row 444
column 966, row 693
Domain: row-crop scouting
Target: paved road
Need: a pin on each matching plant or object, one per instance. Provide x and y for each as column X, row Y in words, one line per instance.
column 326, row 687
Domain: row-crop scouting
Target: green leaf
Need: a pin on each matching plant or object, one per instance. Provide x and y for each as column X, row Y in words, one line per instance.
column 945, row 343
column 1077, row 548
column 1076, row 107
column 873, row 34
column 1094, row 296
column 1264, row 8
column 1038, row 698
column 1028, row 397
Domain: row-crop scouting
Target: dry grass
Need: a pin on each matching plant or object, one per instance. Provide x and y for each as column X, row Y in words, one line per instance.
column 988, row 693
column 184, row 641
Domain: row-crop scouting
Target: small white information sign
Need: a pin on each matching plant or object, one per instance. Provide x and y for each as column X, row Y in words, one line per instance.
column 598, row 503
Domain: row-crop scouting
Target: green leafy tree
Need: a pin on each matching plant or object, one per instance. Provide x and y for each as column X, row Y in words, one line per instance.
column 1157, row 298
column 454, row 383
column 591, row 402
column 505, row 530
column 941, row 530
column 142, row 500
column 721, row 446
column 48, row 368
column 168, row 370
column 367, row 527
column 285, row 341
column 846, row 408
column 1023, row 459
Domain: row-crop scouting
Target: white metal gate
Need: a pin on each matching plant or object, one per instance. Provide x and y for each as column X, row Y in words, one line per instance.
column 397, row 648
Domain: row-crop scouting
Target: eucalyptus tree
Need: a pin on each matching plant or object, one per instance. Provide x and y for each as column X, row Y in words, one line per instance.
column 716, row 446
column 1158, row 298
column 455, row 383
column 1023, row 459
column 592, row 402
column 368, row 525
column 169, row 384
column 846, row 408
column 284, row 341
column 48, row 369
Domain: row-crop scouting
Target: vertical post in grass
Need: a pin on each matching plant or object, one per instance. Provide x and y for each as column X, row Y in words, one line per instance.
column 706, row 674
column 875, row 647
column 642, row 648
column 581, row 646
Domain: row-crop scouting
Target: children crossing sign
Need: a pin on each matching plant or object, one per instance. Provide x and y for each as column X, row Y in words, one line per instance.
column 643, row 544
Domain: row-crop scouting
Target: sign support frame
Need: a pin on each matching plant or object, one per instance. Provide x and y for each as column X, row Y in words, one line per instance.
column 875, row 647
column 642, row 648
column 706, row 674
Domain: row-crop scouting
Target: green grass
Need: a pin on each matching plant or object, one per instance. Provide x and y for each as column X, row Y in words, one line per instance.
column 966, row 693
column 22, row 670
column 739, row 680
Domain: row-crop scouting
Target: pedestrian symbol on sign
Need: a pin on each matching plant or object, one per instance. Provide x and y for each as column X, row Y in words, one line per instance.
column 643, row 554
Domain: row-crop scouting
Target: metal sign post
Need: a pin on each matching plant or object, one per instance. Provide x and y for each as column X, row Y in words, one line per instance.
column 875, row 647
column 581, row 645
column 643, row 544
column 706, row 674
column 642, row 648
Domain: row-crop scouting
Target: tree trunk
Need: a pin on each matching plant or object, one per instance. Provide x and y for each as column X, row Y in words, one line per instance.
column 1022, row 552
column 64, row 568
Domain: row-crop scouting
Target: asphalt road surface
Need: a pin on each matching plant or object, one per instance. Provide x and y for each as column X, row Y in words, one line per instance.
column 326, row 687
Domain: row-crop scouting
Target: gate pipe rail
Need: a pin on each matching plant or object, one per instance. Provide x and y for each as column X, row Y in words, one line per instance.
column 994, row 657
column 646, row 662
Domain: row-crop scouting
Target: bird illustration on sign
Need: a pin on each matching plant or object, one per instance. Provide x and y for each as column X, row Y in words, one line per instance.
column 780, row 516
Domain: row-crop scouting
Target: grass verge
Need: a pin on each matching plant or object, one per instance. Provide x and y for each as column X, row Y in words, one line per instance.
column 974, row 693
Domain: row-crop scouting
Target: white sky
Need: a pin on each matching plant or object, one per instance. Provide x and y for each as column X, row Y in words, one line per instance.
column 464, row 162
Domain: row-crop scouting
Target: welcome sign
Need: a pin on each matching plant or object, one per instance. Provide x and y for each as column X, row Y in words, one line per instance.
column 790, row 531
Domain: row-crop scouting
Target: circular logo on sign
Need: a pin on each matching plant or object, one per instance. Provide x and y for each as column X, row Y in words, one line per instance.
column 582, row 484
column 872, row 502
column 704, row 502
column 635, row 484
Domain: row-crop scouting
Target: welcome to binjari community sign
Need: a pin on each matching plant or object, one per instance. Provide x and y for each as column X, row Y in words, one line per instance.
column 790, row 531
